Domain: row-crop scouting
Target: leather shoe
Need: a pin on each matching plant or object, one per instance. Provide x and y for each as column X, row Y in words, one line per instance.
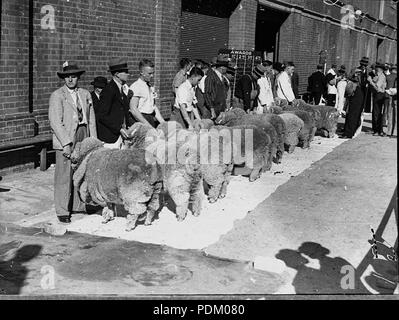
column 382, row 134
column 64, row 219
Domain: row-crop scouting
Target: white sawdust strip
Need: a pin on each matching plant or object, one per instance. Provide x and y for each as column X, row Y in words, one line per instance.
column 216, row 219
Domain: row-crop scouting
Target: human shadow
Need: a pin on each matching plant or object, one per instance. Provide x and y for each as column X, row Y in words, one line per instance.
column 13, row 271
column 329, row 278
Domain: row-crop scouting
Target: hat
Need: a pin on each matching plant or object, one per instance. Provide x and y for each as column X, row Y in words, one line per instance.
column 220, row 62
column 320, row 67
column 379, row 65
column 278, row 66
column 267, row 63
column 118, row 65
column 99, row 82
column 342, row 69
column 231, row 70
column 394, row 67
column 260, row 70
column 69, row 69
column 364, row 61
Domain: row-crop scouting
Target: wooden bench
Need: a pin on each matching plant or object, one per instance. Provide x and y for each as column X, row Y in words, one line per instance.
column 42, row 141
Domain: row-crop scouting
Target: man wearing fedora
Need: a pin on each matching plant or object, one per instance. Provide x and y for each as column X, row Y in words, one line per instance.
column 215, row 88
column 363, row 83
column 99, row 84
column 247, row 89
column 378, row 85
column 113, row 111
column 72, row 119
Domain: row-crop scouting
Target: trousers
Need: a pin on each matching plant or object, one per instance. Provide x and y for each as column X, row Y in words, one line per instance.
column 66, row 197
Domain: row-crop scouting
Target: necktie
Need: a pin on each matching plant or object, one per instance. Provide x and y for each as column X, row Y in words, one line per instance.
column 79, row 107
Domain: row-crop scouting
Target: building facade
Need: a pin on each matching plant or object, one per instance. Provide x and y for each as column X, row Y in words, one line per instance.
column 38, row 36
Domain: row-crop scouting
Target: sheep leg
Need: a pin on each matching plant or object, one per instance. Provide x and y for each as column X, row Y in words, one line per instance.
column 226, row 181
column 313, row 134
column 196, row 197
column 181, row 201
column 108, row 213
column 153, row 204
column 255, row 174
column 291, row 148
column 214, row 193
column 131, row 221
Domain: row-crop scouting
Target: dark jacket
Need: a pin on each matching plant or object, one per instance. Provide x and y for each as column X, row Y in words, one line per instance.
column 295, row 84
column 112, row 111
column 215, row 92
column 317, row 82
column 244, row 86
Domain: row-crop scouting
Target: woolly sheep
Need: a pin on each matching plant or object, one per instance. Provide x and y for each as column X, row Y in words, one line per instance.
column 237, row 116
column 293, row 125
column 107, row 177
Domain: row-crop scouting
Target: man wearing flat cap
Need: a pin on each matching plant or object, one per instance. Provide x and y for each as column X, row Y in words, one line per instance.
column 113, row 111
column 99, row 84
column 72, row 119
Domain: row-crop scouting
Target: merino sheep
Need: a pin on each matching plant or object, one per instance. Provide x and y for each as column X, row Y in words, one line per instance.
column 107, row 177
column 293, row 125
column 170, row 145
column 237, row 116
column 203, row 124
column 307, row 132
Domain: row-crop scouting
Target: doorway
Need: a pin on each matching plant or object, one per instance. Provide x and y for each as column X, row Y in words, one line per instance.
column 268, row 23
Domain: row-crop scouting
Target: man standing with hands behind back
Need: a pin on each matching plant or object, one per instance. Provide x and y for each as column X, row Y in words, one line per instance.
column 72, row 119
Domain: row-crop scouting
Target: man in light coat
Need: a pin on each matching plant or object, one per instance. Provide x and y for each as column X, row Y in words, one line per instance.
column 284, row 86
column 72, row 119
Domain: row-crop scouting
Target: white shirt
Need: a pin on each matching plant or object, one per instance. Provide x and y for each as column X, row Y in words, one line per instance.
column 219, row 74
column 146, row 95
column 74, row 95
column 201, row 84
column 284, row 88
column 340, row 101
column 185, row 94
column 265, row 96
column 331, row 89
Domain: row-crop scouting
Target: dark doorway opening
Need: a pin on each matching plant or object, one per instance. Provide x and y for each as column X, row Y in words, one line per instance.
column 379, row 42
column 268, row 23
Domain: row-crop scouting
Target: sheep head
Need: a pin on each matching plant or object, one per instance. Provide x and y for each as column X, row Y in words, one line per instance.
column 84, row 148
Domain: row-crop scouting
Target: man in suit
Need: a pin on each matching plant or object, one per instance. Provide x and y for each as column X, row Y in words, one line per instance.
column 317, row 84
column 215, row 88
column 72, row 119
column 247, row 89
column 113, row 111
column 99, row 84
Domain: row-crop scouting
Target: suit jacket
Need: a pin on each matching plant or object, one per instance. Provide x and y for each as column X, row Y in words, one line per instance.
column 244, row 87
column 112, row 113
column 63, row 116
column 295, row 84
column 317, row 82
column 215, row 92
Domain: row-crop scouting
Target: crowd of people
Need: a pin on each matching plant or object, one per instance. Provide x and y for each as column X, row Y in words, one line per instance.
column 202, row 90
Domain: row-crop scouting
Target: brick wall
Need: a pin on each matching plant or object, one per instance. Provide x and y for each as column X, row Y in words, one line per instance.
column 88, row 32
column 242, row 26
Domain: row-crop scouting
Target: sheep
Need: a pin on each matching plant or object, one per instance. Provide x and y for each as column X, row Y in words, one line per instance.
column 203, row 124
column 107, row 177
column 307, row 132
column 293, row 125
column 170, row 146
column 237, row 116
column 326, row 117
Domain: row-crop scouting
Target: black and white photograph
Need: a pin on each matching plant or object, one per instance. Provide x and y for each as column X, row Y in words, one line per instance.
column 223, row 150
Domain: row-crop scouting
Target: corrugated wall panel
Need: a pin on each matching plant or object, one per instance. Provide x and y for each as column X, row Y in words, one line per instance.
column 202, row 36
